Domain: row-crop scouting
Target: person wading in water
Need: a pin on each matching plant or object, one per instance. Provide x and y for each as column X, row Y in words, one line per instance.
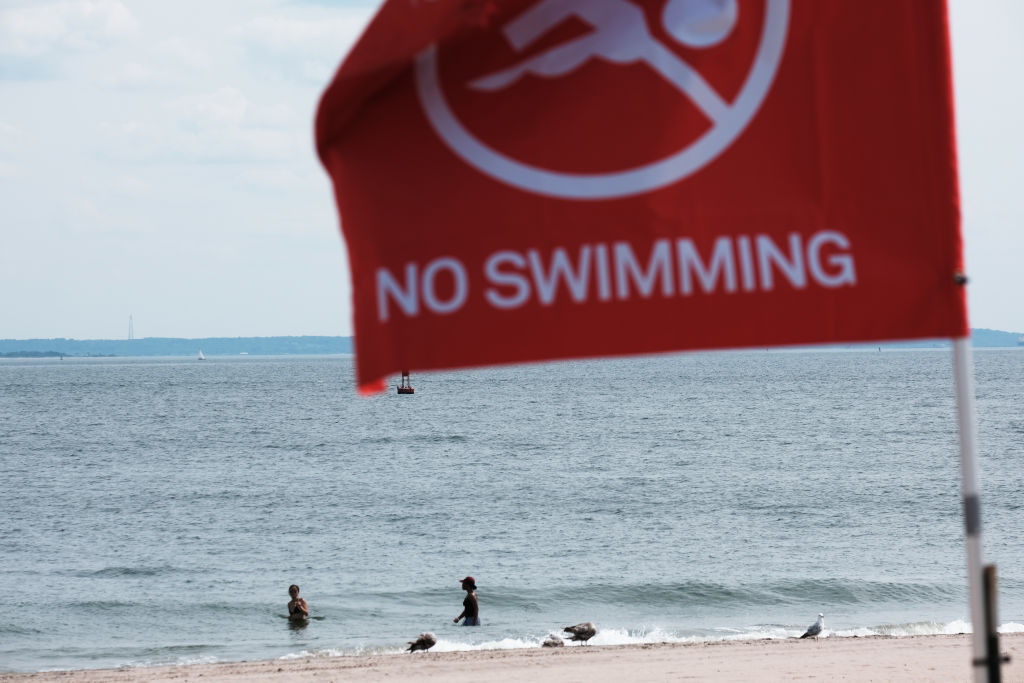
column 471, row 609
column 298, row 610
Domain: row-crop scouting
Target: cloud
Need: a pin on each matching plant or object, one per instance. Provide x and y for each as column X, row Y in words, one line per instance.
column 229, row 107
column 26, row 69
column 217, row 126
column 223, row 107
column 45, row 29
column 130, row 127
column 9, row 134
column 275, row 178
column 172, row 61
column 183, row 51
column 129, row 184
column 134, row 75
column 10, row 137
column 38, row 41
column 307, row 49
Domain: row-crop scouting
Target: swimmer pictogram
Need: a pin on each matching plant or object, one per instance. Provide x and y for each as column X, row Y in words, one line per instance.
column 620, row 35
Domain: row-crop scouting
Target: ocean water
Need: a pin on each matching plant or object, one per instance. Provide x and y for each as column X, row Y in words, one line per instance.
column 155, row 510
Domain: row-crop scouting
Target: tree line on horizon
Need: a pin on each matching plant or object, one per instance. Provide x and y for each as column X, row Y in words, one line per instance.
column 319, row 345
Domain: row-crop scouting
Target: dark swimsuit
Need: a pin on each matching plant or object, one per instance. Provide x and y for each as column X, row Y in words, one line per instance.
column 472, row 611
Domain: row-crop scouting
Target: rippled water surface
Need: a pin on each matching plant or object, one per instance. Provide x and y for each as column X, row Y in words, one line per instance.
column 155, row 510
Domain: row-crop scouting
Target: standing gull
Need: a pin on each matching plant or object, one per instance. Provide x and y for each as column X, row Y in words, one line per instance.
column 583, row 632
column 815, row 629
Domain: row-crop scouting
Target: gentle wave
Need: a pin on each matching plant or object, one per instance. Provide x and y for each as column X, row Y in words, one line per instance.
column 192, row 654
column 654, row 636
column 119, row 572
column 175, row 655
column 919, row 628
column 18, row 630
column 101, row 605
column 182, row 660
column 439, row 438
column 925, row 628
column 238, row 609
column 699, row 593
column 414, row 438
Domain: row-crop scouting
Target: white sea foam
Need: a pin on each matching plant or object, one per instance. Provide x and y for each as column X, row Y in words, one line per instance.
column 922, row 628
column 619, row 636
column 345, row 652
column 444, row 645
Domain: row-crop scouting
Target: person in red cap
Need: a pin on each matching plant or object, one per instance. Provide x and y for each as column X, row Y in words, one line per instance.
column 471, row 610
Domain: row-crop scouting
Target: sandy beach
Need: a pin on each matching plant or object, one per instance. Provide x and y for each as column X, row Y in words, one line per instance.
column 921, row 658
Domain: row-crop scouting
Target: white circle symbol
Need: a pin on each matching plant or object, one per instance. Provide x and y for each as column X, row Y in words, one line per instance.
column 729, row 120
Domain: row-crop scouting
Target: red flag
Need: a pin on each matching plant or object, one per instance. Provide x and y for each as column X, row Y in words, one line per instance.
column 529, row 180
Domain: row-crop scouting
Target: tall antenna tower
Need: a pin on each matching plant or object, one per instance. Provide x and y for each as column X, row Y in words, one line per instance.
column 131, row 327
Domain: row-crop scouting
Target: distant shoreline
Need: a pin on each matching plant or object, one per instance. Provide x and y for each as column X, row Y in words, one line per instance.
column 172, row 346
column 315, row 346
column 51, row 354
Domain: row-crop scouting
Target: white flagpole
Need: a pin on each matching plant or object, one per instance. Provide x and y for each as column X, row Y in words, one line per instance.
column 963, row 375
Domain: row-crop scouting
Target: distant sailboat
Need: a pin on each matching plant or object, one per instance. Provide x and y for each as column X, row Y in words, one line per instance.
column 201, row 356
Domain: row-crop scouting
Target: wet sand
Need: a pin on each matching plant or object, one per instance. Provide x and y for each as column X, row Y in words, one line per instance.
column 941, row 659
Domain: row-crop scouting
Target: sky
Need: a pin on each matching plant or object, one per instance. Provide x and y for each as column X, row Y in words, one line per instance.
column 157, row 160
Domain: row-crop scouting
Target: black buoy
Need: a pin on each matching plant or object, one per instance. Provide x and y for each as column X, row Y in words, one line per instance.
column 405, row 387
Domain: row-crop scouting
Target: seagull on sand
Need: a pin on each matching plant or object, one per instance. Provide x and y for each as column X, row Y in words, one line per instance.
column 424, row 642
column 583, row 632
column 553, row 641
column 815, row 629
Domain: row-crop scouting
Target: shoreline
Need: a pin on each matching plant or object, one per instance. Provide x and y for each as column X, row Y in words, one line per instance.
column 937, row 658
